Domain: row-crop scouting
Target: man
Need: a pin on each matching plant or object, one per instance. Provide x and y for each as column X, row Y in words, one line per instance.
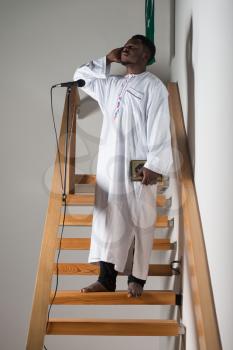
column 136, row 126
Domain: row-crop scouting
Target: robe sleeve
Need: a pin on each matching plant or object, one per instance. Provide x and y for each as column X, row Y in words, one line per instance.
column 94, row 73
column 159, row 156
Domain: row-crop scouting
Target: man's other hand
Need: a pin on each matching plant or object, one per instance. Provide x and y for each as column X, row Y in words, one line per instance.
column 114, row 55
column 149, row 177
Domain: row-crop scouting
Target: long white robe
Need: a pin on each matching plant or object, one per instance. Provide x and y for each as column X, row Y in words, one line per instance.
column 136, row 125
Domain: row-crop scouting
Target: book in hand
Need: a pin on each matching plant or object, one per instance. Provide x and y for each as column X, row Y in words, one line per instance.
column 136, row 165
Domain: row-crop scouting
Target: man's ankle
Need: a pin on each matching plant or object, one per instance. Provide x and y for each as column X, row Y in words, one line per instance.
column 132, row 278
column 107, row 284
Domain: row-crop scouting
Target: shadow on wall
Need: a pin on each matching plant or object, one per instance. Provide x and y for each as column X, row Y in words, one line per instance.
column 191, row 95
column 89, row 105
column 172, row 30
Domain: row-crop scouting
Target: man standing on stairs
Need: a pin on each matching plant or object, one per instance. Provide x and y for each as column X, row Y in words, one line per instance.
column 136, row 126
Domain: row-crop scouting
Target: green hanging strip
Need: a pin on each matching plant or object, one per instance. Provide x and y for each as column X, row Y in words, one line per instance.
column 149, row 21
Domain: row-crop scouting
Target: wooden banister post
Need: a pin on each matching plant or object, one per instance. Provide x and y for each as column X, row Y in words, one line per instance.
column 74, row 103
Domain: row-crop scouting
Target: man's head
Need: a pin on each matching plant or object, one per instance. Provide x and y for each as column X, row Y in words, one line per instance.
column 138, row 50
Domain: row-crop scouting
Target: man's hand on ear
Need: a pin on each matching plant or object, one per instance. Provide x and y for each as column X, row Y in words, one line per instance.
column 114, row 55
column 149, row 177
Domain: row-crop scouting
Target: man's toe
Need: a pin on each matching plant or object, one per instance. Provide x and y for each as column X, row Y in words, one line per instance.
column 130, row 293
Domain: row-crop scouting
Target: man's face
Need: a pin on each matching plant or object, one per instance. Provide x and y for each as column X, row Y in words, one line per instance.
column 133, row 52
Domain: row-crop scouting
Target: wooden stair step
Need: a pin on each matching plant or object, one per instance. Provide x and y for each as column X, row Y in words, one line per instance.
column 149, row 297
column 89, row 199
column 84, row 244
column 86, row 220
column 85, row 179
column 130, row 327
column 80, row 199
column 93, row 269
column 90, row 179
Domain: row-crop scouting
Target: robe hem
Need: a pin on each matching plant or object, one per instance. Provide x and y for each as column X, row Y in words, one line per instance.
column 117, row 268
column 96, row 260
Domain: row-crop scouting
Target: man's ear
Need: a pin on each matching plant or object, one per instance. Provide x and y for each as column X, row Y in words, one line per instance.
column 146, row 56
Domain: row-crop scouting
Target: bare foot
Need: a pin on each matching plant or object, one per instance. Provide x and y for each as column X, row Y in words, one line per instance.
column 94, row 287
column 134, row 289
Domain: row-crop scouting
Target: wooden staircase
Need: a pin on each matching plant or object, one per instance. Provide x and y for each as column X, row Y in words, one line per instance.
column 130, row 327
column 52, row 242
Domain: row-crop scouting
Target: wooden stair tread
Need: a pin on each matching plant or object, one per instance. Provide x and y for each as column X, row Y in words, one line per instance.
column 85, row 179
column 90, row 179
column 89, row 199
column 84, row 244
column 149, row 297
column 86, row 220
column 80, row 199
column 93, row 269
column 107, row 326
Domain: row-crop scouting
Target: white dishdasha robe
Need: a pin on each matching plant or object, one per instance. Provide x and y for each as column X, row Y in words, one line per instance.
column 136, row 125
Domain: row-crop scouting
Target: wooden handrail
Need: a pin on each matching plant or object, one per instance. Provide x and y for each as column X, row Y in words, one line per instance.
column 201, row 289
column 41, row 299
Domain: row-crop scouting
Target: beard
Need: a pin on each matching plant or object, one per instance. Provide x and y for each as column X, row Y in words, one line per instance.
column 124, row 63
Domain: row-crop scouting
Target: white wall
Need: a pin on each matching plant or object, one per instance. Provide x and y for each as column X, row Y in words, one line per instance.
column 203, row 68
column 42, row 42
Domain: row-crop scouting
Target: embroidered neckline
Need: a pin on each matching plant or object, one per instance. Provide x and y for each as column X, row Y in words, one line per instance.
column 134, row 75
column 121, row 94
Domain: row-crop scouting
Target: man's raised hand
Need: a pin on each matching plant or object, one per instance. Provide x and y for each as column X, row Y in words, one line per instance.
column 114, row 55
